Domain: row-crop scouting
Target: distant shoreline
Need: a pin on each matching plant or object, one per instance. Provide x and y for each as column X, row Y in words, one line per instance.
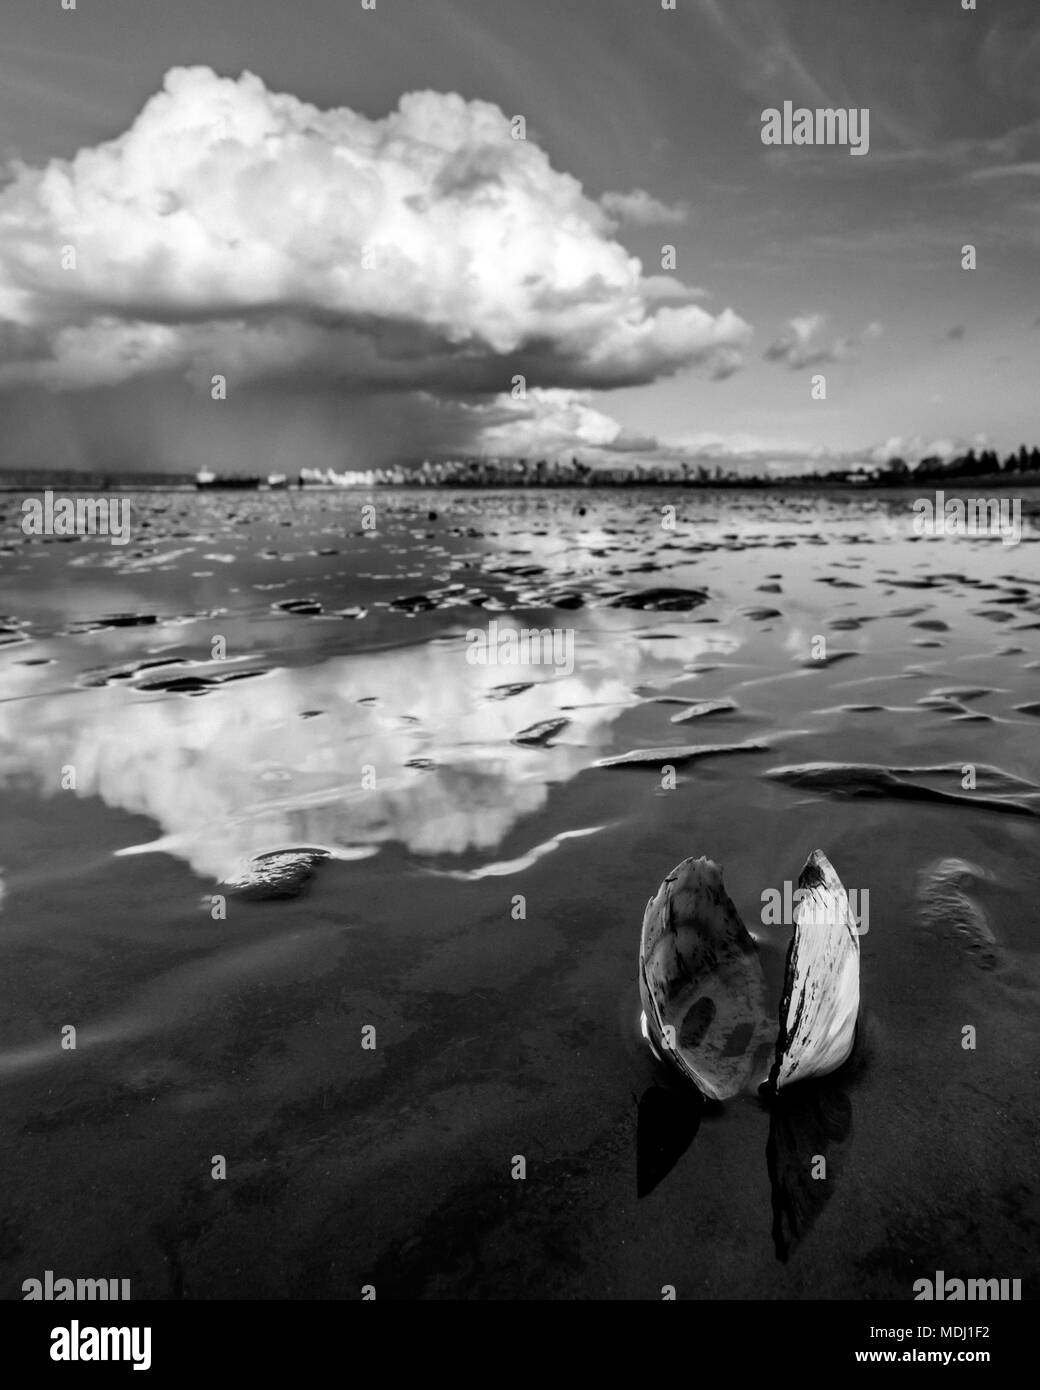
column 1003, row 482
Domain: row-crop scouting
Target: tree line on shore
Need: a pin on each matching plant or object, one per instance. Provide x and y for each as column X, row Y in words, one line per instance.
column 1021, row 465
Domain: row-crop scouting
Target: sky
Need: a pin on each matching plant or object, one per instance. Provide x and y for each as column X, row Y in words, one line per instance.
column 327, row 207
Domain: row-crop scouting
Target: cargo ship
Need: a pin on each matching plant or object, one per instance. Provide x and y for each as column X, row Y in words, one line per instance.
column 204, row 478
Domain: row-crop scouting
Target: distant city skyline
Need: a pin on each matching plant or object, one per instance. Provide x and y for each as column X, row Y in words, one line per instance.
column 326, row 207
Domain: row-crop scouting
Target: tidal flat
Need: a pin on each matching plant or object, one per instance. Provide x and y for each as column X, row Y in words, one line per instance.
column 261, row 702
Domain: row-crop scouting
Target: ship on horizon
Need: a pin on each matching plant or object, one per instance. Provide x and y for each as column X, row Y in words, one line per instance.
column 206, row 478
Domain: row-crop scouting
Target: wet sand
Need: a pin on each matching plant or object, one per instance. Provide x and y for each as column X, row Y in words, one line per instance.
column 346, row 726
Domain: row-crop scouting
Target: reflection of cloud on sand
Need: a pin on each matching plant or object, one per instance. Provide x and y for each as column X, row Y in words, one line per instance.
column 240, row 771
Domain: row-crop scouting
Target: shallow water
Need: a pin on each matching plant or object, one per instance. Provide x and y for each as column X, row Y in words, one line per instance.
column 342, row 720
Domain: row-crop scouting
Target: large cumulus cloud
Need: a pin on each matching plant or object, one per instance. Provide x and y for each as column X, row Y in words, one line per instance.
column 232, row 229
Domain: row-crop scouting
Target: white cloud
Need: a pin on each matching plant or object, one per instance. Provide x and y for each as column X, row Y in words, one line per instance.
column 427, row 249
column 913, row 448
column 793, row 344
column 547, row 423
column 642, row 208
column 801, row 343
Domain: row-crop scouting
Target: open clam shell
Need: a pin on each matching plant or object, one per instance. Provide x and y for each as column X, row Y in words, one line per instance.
column 701, row 982
column 703, row 991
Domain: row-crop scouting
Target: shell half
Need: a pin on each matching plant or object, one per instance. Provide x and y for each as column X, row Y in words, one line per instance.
column 701, row 983
column 820, row 1003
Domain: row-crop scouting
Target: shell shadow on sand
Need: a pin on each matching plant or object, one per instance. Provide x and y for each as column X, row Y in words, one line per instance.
column 666, row 1126
column 810, row 1129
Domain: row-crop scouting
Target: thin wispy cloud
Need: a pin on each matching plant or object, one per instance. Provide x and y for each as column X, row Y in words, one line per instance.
column 1027, row 170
